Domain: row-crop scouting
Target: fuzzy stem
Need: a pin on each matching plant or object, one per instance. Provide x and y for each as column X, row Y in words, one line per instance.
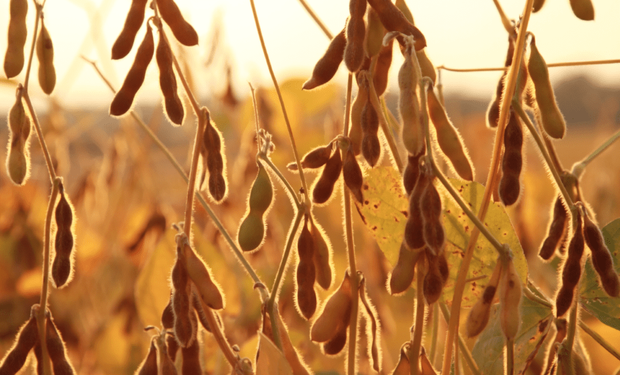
column 246, row 265
column 203, row 117
column 434, row 333
column 599, row 339
column 579, row 167
column 464, row 350
column 37, row 127
column 281, row 177
column 316, row 19
column 418, row 330
column 352, row 355
column 569, row 341
column 510, row 357
column 286, row 120
column 41, row 315
column 511, row 83
column 347, row 109
column 39, row 10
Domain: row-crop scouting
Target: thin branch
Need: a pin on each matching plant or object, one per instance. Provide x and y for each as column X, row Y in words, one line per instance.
column 464, row 350
column 316, row 19
column 418, row 329
column 599, row 339
column 579, row 167
column 37, row 127
column 553, row 65
column 38, row 16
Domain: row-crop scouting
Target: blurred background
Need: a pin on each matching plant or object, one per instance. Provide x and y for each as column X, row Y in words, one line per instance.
column 127, row 195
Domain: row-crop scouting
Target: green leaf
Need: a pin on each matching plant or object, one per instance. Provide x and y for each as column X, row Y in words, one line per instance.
column 488, row 352
column 271, row 361
column 385, row 214
column 593, row 298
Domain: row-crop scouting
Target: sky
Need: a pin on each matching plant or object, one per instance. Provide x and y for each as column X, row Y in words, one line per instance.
column 459, row 34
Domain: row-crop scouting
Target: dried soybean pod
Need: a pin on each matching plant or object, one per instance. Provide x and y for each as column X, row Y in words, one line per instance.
column 181, row 303
column 182, row 30
column 426, row 368
column 306, row 300
column 401, row 276
column 408, row 105
column 538, row 4
column 168, row 82
column 18, row 160
column 56, row 350
column 493, row 110
column 337, row 307
column 412, row 171
column 512, row 161
column 602, row 260
column 322, row 255
column 25, row 340
column 373, row 330
column 571, row 271
column 167, row 321
column 355, row 133
column 324, row 187
column 215, row 162
column 479, row 313
column 191, row 359
column 402, row 367
column 45, row 55
column 433, row 280
column 382, row 68
column 427, row 67
column 328, row 64
column 200, row 275
column 394, row 20
column 371, row 147
column 149, row 365
column 315, row 158
column 252, row 229
column 17, row 34
column 448, row 138
column 135, row 77
column 583, row 9
column 335, row 345
column 430, row 209
column 374, row 34
column 133, row 22
column 62, row 266
column 414, row 227
column 510, row 293
column 356, row 32
column 557, row 230
column 352, row 174
column 552, row 119
column 164, row 361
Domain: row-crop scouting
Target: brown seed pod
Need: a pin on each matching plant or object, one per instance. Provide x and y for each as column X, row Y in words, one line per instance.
column 167, row 321
column 394, row 20
column 56, row 350
column 184, row 332
column 335, row 345
column 356, row 32
column 401, row 276
column 412, row 171
column 252, row 228
column 135, row 77
column 328, row 64
column 306, row 275
column 479, row 313
column 324, row 186
column 168, row 81
column 133, row 22
column 182, row 30
column 45, row 55
column 493, row 110
column 315, row 158
column 371, row 147
column 538, row 4
column 25, row 340
column 191, row 359
column 165, row 364
column 382, row 68
column 200, row 275
column 334, row 314
column 18, row 160
column 374, row 34
column 583, row 9
column 408, row 105
column 433, row 280
column 372, row 330
column 414, row 227
column 16, row 40
column 552, row 119
column 571, row 271
column 352, row 174
column 430, row 209
column 557, row 230
column 402, row 367
column 322, row 255
column 602, row 260
column 448, row 137
column 444, row 268
column 355, row 132
column 512, row 161
column 62, row 265
column 510, row 293
column 215, row 161
column 149, row 365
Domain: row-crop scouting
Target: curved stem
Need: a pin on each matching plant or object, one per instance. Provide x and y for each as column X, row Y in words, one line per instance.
column 511, row 83
column 41, row 316
column 352, row 354
column 203, row 117
column 286, row 120
column 599, row 339
column 39, row 9
column 579, row 167
column 418, row 329
column 42, row 143
column 282, row 179
column 316, row 19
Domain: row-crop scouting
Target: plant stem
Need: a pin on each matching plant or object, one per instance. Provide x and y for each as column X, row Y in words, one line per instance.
column 246, row 265
column 511, row 83
column 374, row 100
column 505, row 21
column 203, row 118
column 418, row 330
column 572, row 330
column 510, row 357
column 599, row 339
column 464, row 350
column 286, row 120
column 41, row 316
column 579, row 167
column 316, row 19
column 352, row 354
column 347, row 108
column 553, row 65
column 42, row 143
column 434, row 333
column 39, row 10
column 281, row 177
column 516, row 106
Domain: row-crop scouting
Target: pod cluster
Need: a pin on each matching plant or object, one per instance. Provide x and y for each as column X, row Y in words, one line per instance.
column 18, row 159
column 28, row 340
